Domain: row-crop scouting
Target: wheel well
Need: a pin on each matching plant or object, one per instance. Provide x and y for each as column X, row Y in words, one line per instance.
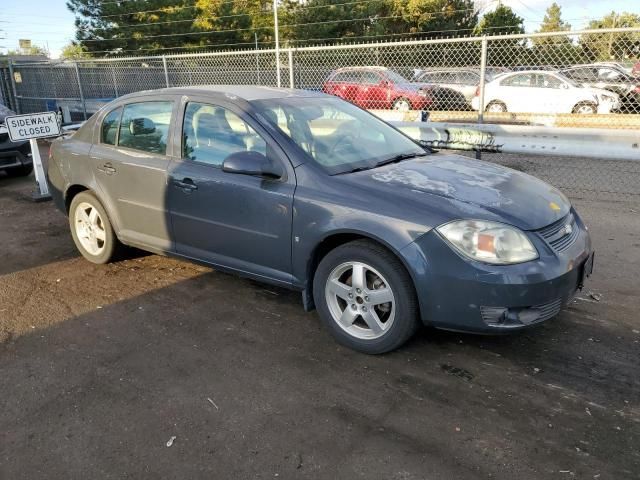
column 72, row 191
column 327, row 245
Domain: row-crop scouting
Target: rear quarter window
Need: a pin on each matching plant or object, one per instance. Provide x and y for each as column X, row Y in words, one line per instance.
column 109, row 128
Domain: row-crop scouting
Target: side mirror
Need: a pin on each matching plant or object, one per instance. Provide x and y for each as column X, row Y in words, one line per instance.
column 251, row 163
column 141, row 126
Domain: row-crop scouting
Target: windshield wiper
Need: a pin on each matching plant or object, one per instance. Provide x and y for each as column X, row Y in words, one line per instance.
column 399, row 158
column 386, row 161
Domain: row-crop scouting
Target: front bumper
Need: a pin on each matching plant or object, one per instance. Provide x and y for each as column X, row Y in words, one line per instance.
column 14, row 154
column 456, row 293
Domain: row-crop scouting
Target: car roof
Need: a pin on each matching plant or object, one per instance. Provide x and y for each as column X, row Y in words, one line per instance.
column 244, row 92
column 362, row 67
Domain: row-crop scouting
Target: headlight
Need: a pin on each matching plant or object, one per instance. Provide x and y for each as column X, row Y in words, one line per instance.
column 489, row 242
column 607, row 98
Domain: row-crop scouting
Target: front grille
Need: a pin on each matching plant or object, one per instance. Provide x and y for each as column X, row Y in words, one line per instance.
column 548, row 310
column 556, row 235
column 4, row 137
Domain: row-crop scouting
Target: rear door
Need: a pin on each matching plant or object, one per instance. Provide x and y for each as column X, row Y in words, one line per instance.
column 237, row 221
column 130, row 162
column 373, row 91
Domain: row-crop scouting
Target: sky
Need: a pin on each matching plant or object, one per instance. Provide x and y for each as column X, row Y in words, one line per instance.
column 49, row 24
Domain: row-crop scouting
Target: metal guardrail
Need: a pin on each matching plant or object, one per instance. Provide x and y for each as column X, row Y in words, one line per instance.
column 604, row 144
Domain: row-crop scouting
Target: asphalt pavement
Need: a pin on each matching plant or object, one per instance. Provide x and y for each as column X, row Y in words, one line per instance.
column 153, row 367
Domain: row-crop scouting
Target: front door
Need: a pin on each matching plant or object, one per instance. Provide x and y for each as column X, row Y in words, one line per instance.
column 130, row 165
column 241, row 222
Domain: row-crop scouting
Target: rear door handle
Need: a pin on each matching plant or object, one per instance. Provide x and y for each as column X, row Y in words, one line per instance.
column 186, row 184
column 107, row 168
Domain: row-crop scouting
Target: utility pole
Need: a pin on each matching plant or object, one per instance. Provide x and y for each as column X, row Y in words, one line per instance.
column 275, row 26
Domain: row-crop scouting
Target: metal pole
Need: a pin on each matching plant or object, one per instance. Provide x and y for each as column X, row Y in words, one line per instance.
column 166, row 72
column 41, row 180
column 13, row 87
column 115, row 83
column 275, row 26
column 483, row 72
column 255, row 34
column 84, row 105
column 291, row 81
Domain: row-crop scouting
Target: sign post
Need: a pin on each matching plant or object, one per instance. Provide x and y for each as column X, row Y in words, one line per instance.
column 31, row 127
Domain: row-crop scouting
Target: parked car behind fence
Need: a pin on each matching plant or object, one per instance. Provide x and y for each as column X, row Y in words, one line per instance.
column 544, row 92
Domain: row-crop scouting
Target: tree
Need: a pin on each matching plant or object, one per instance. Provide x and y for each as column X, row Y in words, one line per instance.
column 442, row 17
column 555, row 50
column 32, row 50
column 73, row 51
column 503, row 20
column 142, row 26
column 612, row 46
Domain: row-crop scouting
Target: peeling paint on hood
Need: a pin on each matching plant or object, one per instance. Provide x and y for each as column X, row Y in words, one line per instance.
column 514, row 197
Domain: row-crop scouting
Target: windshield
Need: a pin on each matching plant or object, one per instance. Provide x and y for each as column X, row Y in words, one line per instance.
column 395, row 77
column 564, row 78
column 335, row 134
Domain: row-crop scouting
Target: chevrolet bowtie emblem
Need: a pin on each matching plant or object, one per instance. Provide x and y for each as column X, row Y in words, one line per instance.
column 567, row 229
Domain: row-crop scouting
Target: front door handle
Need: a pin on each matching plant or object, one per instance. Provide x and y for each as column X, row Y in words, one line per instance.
column 107, row 168
column 186, row 184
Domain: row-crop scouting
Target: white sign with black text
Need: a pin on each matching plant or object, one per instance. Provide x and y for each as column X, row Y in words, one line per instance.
column 32, row 125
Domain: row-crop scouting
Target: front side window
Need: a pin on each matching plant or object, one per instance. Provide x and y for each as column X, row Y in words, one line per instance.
column 371, row 78
column 549, row 81
column 109, row 129
column 335, row 134
column 211, row 133
column 145, row 126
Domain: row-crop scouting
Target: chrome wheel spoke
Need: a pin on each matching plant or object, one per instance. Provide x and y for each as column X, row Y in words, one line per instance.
column 357, row 277
column 382, row 295
column 101, row 234
column 348, row 317
column 373, row 321
column 339, row 289
column 93, row 217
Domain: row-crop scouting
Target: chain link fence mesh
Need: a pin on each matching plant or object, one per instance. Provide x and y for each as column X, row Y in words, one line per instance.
column 562, row 79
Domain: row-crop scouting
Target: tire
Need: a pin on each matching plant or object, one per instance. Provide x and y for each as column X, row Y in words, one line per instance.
column 21, row 171
column 496, row 107
column 585, row 108
column 100, row 232
column 385, row 278
column 402, row 104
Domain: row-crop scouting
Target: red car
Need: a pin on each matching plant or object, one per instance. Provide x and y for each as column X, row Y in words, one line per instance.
column 377, row 88
column 635, row 71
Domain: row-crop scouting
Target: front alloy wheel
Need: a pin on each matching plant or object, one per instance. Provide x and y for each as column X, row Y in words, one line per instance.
column 365, row 297
column 360, row 300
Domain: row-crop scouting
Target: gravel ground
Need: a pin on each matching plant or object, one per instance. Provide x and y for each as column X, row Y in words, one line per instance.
column 100, row 366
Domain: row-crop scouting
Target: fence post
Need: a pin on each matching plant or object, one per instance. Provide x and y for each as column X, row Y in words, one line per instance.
column 13, row 88
column 115, row 82
column 291, row 79
column 166, row 72
column 483, row 72
column 277, row 35
column 84, row 105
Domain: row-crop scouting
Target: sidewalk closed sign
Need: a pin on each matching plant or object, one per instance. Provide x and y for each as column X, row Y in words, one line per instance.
column 33, row 125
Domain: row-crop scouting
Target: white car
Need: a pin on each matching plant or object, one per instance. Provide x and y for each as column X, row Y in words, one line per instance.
column 538, row 91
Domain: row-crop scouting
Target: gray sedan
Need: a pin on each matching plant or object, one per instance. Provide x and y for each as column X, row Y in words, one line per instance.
column 307, row 191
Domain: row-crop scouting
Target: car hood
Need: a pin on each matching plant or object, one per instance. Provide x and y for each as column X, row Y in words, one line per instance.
column 466, row 188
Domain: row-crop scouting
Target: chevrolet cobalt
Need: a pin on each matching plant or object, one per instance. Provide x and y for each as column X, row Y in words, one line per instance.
column 307, row 191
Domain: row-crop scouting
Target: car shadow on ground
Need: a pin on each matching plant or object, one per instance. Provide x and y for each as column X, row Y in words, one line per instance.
column 251, row 385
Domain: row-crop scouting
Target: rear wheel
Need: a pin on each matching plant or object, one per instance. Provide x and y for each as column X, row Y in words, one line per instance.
column 91, row 229
column 21, row 171
column 585, row 108
column 365, row 297
column 496, row 107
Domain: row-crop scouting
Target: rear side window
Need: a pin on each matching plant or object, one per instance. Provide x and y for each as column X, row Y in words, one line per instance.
column 145, row 126
column 110, row 125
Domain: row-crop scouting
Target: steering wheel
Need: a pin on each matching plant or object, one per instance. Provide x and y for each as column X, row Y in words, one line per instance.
column 344, row 141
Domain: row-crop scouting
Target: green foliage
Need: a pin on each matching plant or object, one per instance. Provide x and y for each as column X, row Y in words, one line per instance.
column 73, row 51
column 613, row 46
column 503, row 20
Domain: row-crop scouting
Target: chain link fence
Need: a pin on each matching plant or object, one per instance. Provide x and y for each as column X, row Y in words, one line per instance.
column 587, row 78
